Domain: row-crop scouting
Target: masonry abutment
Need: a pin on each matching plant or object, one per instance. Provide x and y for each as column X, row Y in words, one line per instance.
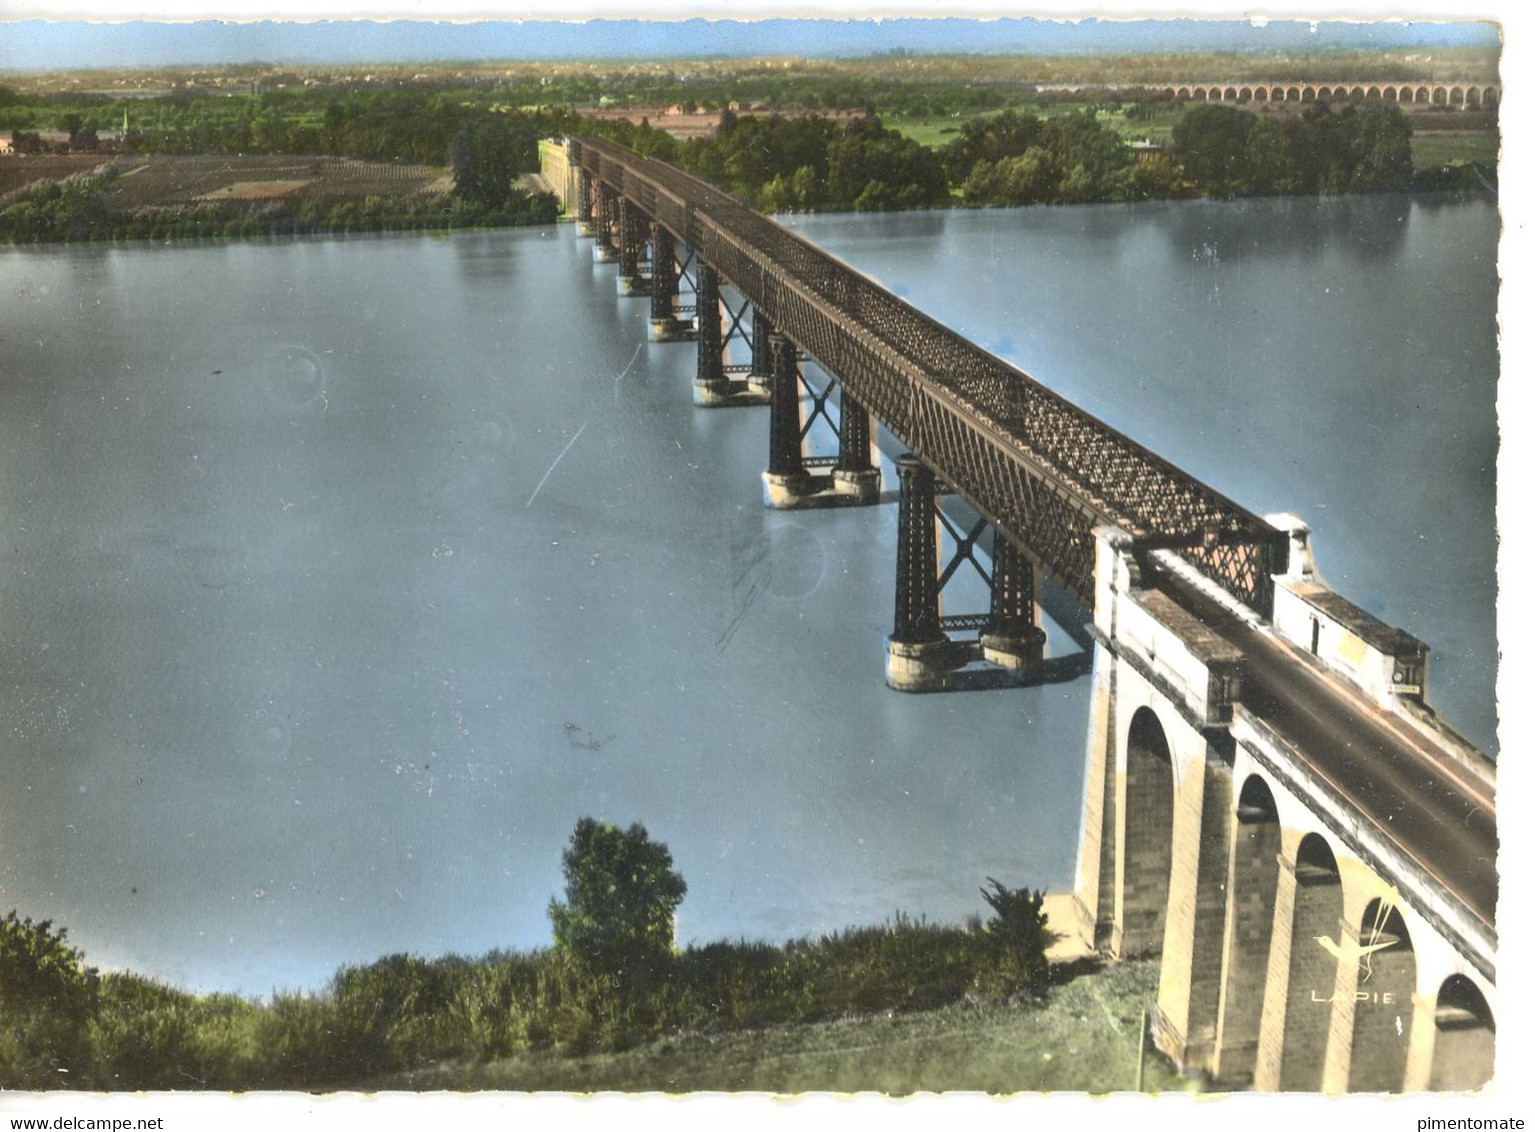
column 1311, row 995
column 1097, row 880
column 1383, row 1025
column 1251, row 888
column 1463, row 1036
column 1188, row 996
column 1150, row 798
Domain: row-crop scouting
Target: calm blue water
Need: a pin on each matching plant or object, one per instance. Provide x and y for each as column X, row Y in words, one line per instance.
column 1333, row 358
column 343, row 576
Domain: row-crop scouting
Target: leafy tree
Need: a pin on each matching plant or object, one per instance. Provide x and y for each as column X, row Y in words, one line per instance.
column 1099, row 165
column 488, row 157
column 621, row 897
column 867, row 160
column 1212, row 143
column 1019, row 931
column 1008, row 134
column 1271, row 169
column 1383, row 149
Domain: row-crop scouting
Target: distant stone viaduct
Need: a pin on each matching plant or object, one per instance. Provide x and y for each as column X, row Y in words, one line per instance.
column 1457, row 95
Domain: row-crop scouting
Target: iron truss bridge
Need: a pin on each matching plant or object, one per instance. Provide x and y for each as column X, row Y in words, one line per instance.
column 1041, row 469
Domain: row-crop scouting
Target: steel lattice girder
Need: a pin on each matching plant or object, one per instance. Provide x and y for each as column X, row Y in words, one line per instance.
column 1043, row 470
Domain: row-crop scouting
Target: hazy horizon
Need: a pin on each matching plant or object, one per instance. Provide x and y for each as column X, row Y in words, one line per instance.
column 38, row 45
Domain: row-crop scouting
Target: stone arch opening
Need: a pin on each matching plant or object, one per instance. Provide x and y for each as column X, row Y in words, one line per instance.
column 1313, row 968
column 1148, row 863
column 1254, row 882
column 1490, row 97
column 1421, row 95
column 1441, row 97
column 1473, row 96
column 1463, row 1037
column 1356, row 94
column 1383, row 1006
column 1183, row 92
column 1389, row 94
column 1261, row 94
column 1200, row 95
column 1307, row 95
column 1231, row 94
column 1457, row 96
column 1372, row 94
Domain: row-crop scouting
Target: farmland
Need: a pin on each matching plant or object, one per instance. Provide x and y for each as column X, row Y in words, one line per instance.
column 20, row 173
column 163, row 181
column 161, row 196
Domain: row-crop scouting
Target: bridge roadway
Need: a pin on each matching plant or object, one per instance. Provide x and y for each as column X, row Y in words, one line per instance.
column 979, row 422
column 1044, row 471
column 1436, row 812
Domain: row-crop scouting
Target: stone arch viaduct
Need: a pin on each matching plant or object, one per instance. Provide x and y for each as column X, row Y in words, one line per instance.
column 1460, row 94
column 1271, row 807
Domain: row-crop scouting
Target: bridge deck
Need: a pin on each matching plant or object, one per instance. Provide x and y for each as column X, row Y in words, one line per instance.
column 1043, row 470
column 1438, row 814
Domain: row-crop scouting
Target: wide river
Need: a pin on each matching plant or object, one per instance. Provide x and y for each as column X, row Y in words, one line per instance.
column 342, row 576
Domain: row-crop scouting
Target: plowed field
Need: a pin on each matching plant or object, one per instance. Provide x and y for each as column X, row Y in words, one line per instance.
column 18, row 173
column 158, row 180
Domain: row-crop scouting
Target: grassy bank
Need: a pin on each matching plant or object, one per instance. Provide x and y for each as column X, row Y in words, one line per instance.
column 1083, row 1038
column 395, row 1021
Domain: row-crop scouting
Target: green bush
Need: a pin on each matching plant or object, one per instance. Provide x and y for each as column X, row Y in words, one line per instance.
column 621, row 897
column 46, row 999
column 1019, row 934
column 146, row 1035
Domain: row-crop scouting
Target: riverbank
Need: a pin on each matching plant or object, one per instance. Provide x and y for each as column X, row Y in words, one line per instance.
column 1084, row 1038
column 902, row 1007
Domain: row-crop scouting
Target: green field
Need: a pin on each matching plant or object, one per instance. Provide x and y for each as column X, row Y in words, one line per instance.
column 935, row 133
column 1085, row 1038
column 1432, row 150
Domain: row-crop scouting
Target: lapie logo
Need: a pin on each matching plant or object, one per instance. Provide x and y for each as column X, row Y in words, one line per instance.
column 1375, row 940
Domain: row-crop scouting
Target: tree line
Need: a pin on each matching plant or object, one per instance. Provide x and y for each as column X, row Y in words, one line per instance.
column 613, row 978
column 776, row 163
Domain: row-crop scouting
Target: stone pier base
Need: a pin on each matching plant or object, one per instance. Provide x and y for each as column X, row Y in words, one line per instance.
column 671, row 330
column 726, row 393
column 928, row 666
column 1024, row 653
column 860, row 487
column 814, row 488
column 785, row 492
